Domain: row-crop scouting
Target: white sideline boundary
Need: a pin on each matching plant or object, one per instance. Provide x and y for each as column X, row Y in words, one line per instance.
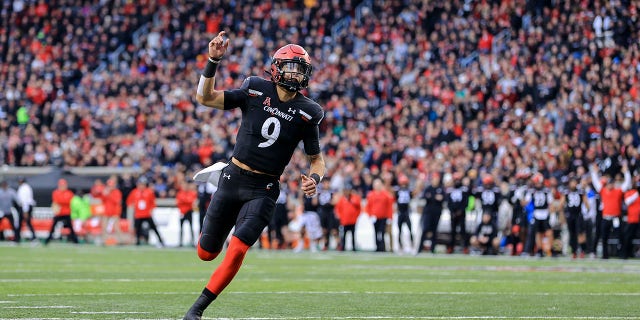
column 438, row 318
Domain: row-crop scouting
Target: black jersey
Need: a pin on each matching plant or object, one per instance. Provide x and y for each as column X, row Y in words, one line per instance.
column 457, row 198
column 271, row 130
column 434, row 196
column 310, row 204
column 324, row 199
column 490, row 197
column 403, row 198
column 541, row 198
column 488, row 230
column 574, row 203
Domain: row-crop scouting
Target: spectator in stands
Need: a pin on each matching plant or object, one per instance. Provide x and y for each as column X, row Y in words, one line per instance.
column 61, row 207
column 496, row 78
column 25, row 198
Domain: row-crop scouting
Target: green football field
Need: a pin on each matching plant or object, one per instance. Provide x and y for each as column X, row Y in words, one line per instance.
column 87, row 282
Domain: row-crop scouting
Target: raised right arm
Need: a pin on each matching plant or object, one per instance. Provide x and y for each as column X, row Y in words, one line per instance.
column 206, row 94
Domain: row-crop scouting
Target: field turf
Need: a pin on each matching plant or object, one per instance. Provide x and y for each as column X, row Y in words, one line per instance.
column 63, row 281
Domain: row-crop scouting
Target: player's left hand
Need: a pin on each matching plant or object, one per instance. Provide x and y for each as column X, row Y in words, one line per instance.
column 308, row 186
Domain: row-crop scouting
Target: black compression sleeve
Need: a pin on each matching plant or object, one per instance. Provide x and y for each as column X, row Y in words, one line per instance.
column 316, row 177
column 210, row 68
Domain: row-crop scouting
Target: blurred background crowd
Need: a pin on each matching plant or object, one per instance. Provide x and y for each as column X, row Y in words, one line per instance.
column 411, row 89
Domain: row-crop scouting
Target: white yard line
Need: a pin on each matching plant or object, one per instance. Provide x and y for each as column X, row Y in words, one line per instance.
column 376, row 280
column 435, row 293
column 109, row 312
column 97, row 294
column 97, row 280
column 38, row 307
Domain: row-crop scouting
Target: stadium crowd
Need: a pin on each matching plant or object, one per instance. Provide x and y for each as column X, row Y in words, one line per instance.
column 483, row 90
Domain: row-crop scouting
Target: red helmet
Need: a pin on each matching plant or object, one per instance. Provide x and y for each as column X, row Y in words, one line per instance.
column 487, row 179
column 538, row 178
column 293, row 59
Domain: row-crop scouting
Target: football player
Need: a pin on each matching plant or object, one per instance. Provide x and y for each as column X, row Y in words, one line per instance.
column 275, row 118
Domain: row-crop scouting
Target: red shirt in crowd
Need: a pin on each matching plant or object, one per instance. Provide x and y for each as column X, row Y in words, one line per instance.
column 348, row 209
column 112, row 202
column 61, row 197
column 111, row 199
column 143, row 201
column 632, row 199
column 185, row 200
column 380, row 204
column 611, row 202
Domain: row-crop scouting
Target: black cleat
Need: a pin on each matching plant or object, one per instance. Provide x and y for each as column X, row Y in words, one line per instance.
column 193, row 314
column 198, row 307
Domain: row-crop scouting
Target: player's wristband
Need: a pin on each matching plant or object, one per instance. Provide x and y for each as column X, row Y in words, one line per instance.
column 316, row 178
column 210, row 68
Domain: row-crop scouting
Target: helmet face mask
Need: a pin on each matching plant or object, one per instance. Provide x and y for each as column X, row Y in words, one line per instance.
column 291, row 68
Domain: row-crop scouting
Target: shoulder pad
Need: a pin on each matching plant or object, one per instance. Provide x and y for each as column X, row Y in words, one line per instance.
column 312, row 112
column 255, row 86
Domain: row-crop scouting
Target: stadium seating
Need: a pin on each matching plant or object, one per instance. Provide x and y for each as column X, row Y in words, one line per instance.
column 409, row 87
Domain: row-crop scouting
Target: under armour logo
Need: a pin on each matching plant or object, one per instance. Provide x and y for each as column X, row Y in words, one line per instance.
column 292, row 110
column 269, row 186
column 267, row 101
column 227, row 176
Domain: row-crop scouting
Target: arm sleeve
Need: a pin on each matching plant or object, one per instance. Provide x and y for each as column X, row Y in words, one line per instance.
column 595, row 180
column 626, row 185
column 311, row 135
column 358, row 204
column 130, row 198
column 237, row 97
column 630, row 198
column 311, row 140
